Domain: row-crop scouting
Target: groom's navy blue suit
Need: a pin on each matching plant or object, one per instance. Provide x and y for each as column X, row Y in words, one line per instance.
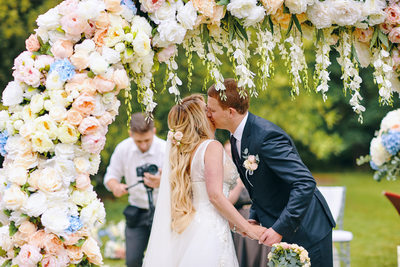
column 283, row 191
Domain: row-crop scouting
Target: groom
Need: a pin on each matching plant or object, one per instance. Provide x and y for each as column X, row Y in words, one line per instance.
column 283, row 191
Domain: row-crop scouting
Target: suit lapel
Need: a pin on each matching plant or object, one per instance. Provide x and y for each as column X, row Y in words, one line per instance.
column 245, row 142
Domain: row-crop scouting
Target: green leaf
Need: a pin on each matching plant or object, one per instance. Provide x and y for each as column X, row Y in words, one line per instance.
column 7, row 212
column 290, row 26
column 383, row 38
column 241, row 30
column 7, row 263
column 374, row 37
column 91, row 74
column 12, row 228
column 296, row 21
column 222, row 2
column 80, row 242
column 271, row 24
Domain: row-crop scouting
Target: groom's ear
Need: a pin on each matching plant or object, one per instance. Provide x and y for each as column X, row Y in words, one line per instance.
column 232, row 111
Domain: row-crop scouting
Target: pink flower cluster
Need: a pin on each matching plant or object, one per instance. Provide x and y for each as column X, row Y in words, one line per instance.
column 391, row 26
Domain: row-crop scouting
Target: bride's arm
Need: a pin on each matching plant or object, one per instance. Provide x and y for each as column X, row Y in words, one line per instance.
column 214, row 174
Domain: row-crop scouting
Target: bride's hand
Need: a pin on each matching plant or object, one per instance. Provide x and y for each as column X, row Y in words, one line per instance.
column 255, row 231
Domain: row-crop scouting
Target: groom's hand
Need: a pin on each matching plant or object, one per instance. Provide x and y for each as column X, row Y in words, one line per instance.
column 270, row 237
column 251, row 221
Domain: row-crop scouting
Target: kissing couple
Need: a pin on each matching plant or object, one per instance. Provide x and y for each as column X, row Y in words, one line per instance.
column 194, row 218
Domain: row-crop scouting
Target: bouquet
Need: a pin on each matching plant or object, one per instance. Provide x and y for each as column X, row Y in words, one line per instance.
column 284, row 254
column 384, row 155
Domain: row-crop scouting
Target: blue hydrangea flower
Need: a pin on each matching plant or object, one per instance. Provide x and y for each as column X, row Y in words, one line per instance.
column 373, row 166
column 74, row 224
column 3, row 142
column 391, row 141
column 64, row 68
column 130, row 5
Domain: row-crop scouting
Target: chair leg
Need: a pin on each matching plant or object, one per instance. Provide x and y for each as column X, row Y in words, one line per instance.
column 344, row 253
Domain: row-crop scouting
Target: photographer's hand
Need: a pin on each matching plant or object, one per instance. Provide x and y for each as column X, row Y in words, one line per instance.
column 117, row 188
column 151, row 180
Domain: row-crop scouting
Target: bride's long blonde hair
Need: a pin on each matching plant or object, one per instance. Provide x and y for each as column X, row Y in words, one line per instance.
column 188, row 117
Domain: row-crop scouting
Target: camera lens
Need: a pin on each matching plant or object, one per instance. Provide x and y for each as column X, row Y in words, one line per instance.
column 153, row 169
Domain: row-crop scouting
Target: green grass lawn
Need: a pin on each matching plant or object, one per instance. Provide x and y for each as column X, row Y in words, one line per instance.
column 371, row 218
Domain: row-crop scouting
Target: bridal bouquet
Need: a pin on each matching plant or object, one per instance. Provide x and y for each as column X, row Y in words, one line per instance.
column 384, row 155
column 289, row 255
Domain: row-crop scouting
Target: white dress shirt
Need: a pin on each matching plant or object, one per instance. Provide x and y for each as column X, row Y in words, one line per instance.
column 239, row 133
column 126, row 157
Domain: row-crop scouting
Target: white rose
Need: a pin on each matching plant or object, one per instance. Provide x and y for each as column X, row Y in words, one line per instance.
column 18, row 124
column 5, row 238
column 46, row 124
column 14, row 198
column 187, row 16
column 92, row 213
column 345, row 12
column 379, row 155
column 52, row 181
column 141, row 44
column 55, row 220
column 49, row 20
column 121, row 79
column 36, row 204
column 257, row 15
column 17, row 145
column 36, row 103
column 319, row 14
column 13, row 94
column 298, row 6
column 86, row 47
column 120, row 47
column 111, row 55
column 97, row 63
column 140, row 23
column 27, row 160
column 17, row 175
column 165, row 12
column 242, row 8
column 171, row 32
column 65, row 151
column 58, row 98
column 58, row 113
column 83, row 198
column 28, row 115
column 391, row 119
column 66, row 169
column 53, row 81
column 67, row 133
column 27, row 129
column 95, row 7
column 82, row 164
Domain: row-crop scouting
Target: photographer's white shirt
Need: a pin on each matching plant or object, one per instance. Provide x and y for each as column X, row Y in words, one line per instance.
column 124, row 161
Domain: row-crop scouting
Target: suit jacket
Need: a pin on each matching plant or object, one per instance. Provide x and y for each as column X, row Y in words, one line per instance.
column 282, row 189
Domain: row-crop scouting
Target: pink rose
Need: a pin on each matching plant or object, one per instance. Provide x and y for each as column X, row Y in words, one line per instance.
column 386, row 27
column 23, row 59
column 32, row 43
column 89, row 125
column 28, row 256
column 151, row 6
column 93, row 143
column 74, row 117
column 394, row 35
column 170, row 135
column 27, row 229
column 28, row 75
column 102, row 21
column 253, row 166
column 79, row 78
column 251, row 158
column 364, row 35
column 62, row 49
column 90, row 30
column 74, row 24
column 166, row 53
column 178, row 135
column 83, row 181
column 393, row 14
column 106, row 119
column 113, row 5
column 61, row 259
column 121, row 79
column 85, row 104
column 103, row 85
column 67, row 7
column 99, row 36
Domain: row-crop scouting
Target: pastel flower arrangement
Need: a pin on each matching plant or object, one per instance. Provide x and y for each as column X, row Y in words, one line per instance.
column 284, row 254
column 384, row 155
column 175, row 137
column 114, row 233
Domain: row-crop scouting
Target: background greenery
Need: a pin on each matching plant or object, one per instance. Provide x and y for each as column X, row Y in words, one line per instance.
column 327, row 134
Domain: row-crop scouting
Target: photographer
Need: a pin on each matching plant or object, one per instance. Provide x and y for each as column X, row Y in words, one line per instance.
column 139, row 159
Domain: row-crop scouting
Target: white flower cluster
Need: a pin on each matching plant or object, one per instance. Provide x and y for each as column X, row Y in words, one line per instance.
column 383, row 73
column 322, row 62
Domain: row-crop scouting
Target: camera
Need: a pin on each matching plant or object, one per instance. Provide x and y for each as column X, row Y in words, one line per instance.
column 148, row 167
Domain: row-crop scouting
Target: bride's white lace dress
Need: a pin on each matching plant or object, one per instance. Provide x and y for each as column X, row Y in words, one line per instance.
column 207, row 241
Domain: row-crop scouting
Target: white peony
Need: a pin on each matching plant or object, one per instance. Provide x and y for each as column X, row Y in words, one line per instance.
column 141, row 44
column 187, row 16
column 257, row 15
column 95, row 7
column 166, row 12
column 58, row 98
column 82, row 164
column 13, row 93
column 379, row 154
column 140, row 23
column 319, row 14
column 171, row 32
column 298, row 6
column 97, row 63
column 92, row 213
column 65, row 151
column 17, row 145
column 86, row 47
column 67, row 133
column 53, row 81
column 36, row 204
column 346, row 12
column 58, row 113
column 17, row 175
column 83, row 198
column 391, row 119
column 246, row 9
column 49, row 20
column 374, row 10
column 36, row 103
column 66, row 169
column 52, row 181
column 55, row 220
column 46, row 124
column 14, row 198
column 110, row 55
column 5, row 238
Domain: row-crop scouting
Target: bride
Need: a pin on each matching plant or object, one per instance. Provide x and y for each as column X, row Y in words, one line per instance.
column 193, row 216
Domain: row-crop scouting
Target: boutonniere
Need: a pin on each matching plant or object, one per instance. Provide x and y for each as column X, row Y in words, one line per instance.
column 250, row 163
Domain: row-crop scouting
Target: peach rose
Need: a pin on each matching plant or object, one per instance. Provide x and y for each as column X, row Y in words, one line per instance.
column 90, row 30
column 26, row 160
column 74, row 117
column 281, row 18
column 102, row 21
column 33, row 179
column 80, row 60
column 53, row 244
column 106, row 119
column 38, row 238
column 113, row 5
column 72, row 239
column 27, row 229
column 393, row 14
column 92, row 251
column 394, row 35
column 85, row 104
column 73, row 24
column 83, row 181
column 121, row 79
column 75, row 254
column 99, row 36
column 103, row 85
column 364, row 35
column 271, row 6
column 62, row 48
column 89, row 125
column 32, row 43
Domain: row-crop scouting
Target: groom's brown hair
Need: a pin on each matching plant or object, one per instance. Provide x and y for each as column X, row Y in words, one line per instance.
column 233, row 98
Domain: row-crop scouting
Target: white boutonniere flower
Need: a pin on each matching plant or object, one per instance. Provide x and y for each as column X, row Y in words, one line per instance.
column 250, row 163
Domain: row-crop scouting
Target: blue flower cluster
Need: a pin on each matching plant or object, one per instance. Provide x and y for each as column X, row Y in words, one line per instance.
column 130, row 5
column 373, row 166
column 74, row 224
column 64, row 68
column 391, row 141
column 3, row 142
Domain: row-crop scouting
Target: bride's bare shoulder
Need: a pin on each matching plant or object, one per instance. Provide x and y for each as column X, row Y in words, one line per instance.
column 214, row 148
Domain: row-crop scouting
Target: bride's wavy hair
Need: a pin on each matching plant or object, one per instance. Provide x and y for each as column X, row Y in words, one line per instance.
column 188, row 117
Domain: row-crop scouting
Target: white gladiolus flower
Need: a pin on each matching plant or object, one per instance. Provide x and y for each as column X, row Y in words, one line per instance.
column 13, row 93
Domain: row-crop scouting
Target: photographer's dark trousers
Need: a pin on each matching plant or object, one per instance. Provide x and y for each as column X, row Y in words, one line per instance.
column 136, row 242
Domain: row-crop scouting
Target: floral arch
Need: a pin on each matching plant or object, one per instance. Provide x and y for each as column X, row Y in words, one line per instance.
column 84, row 52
